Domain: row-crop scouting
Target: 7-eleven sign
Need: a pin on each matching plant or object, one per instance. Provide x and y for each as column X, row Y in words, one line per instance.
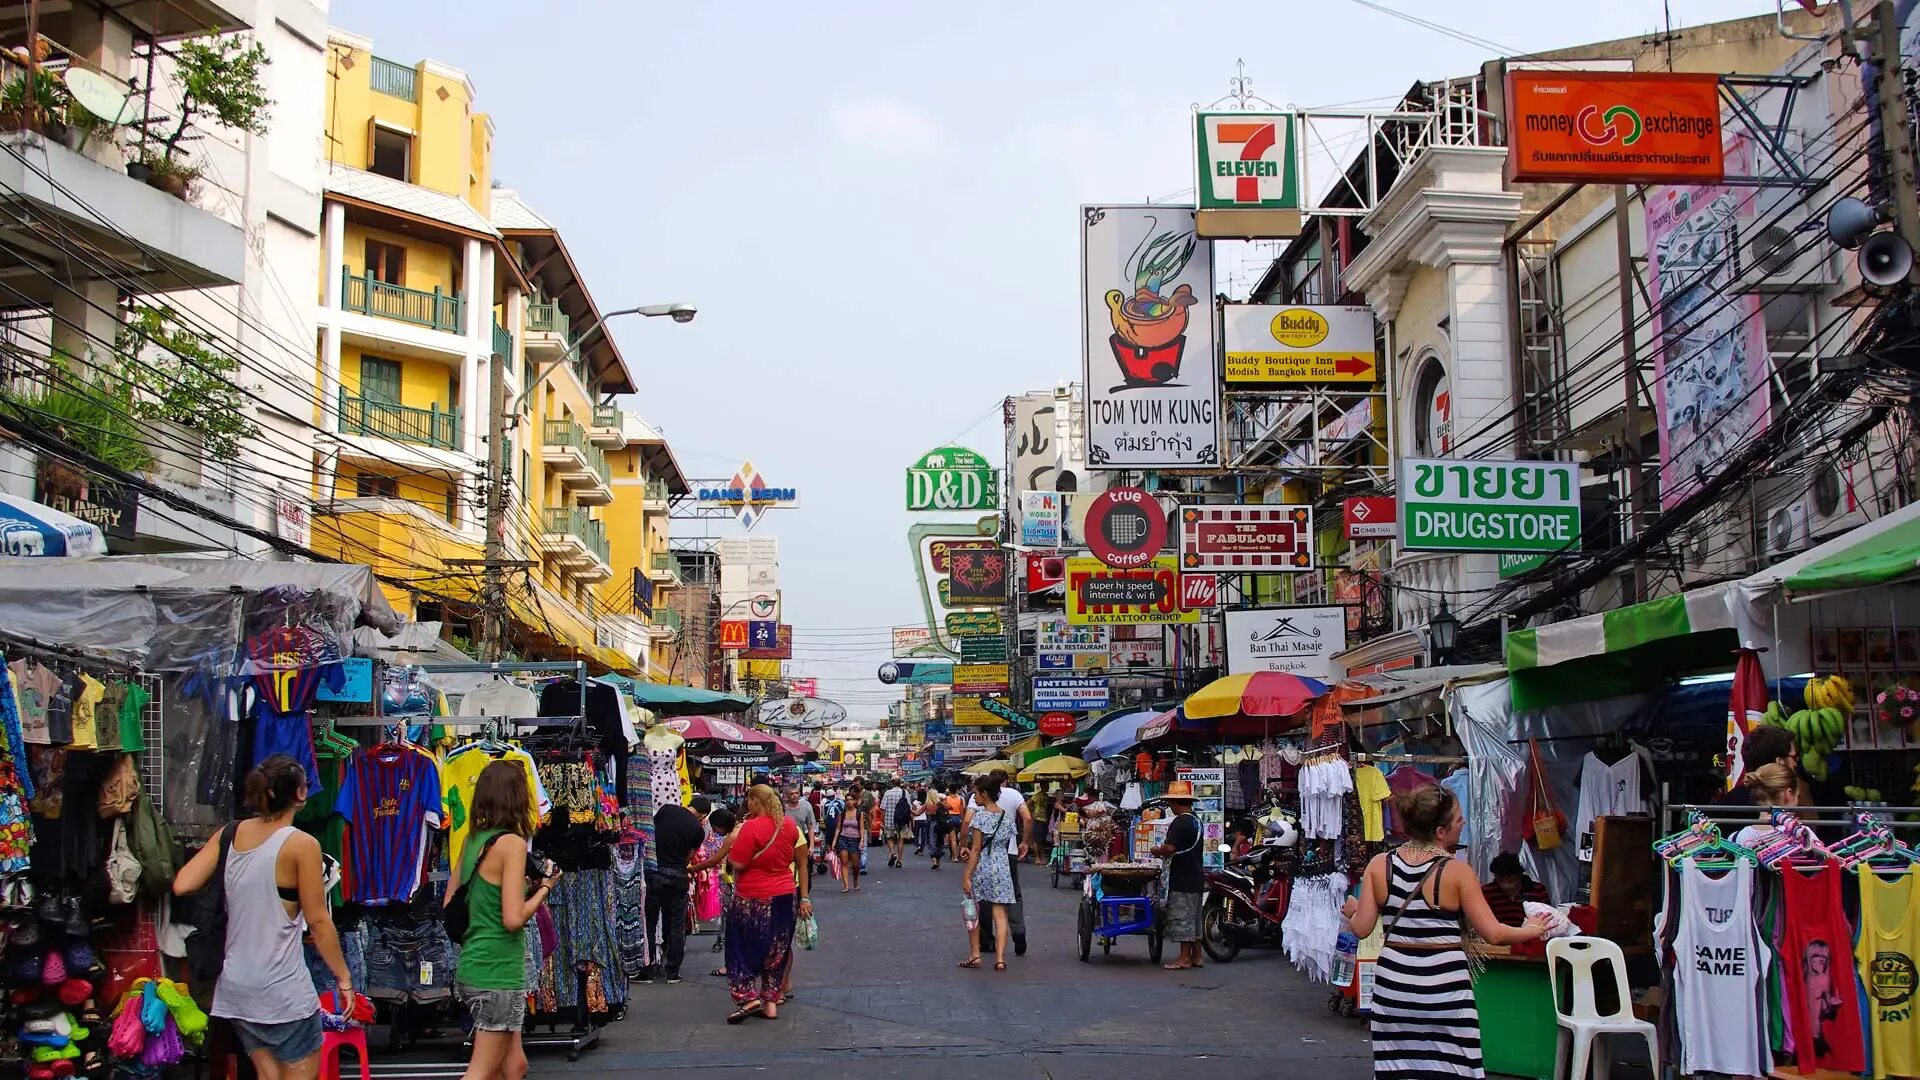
column 1246, row 161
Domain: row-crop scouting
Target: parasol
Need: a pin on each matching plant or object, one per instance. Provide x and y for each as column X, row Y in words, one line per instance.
column 1248, row 704
column 36, row 529
column 794, row 748
column 708, row 728
column 1746, row 703
column 1120, row 734
column 987, row 765
column 1059, row 767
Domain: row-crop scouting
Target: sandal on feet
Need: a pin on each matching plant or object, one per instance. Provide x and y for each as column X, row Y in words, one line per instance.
column 740, row 1015
column 999, row 965
column 973, row 963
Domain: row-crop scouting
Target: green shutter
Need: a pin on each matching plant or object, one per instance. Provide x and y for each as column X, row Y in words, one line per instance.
column 380, row 380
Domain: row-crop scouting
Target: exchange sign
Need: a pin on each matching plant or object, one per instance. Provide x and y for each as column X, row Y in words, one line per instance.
column 1102, row 594
column 1274, row 343
column 1613, row 127
column 1453, row 504
column 1246, row 538
column 951, row 478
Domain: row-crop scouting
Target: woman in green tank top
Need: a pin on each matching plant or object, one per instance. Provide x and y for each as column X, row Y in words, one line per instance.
column 491, row 977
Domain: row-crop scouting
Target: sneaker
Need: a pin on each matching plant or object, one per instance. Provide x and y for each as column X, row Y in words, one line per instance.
column 1020, row 945
column 673, row 978
column 646, row 977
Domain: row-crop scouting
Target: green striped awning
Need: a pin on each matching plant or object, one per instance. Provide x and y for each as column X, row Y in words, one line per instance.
column 1620, row 629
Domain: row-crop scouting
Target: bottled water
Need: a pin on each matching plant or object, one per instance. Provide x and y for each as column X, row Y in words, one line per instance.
column 1345, row 952
column 970, row 912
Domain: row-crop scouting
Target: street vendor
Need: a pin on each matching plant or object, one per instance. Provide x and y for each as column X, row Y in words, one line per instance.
column 1186, row 878
column 1511, row 889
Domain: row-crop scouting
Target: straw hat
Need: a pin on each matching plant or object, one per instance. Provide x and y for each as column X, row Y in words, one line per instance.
column 1178, row 791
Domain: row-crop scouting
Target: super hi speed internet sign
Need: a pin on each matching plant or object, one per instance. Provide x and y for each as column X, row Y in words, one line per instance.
column 1454, row 504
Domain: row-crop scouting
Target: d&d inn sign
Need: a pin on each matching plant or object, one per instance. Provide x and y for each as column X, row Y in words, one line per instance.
column 952, row 478
column 1456, row 504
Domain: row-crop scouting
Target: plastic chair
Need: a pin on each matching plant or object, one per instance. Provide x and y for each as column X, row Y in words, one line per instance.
column 1582, row 1025
column 330, row 1044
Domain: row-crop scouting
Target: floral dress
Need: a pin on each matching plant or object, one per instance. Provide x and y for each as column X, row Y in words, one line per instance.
column 992, row 881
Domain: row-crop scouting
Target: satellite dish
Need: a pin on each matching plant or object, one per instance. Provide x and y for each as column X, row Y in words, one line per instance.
column 105, row 98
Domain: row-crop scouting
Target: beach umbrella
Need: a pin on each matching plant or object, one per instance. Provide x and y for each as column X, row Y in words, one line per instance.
column 1249, row 704
column 1059, row 767
column 1120, row 734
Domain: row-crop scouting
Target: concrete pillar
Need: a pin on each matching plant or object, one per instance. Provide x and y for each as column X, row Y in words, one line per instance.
column 333, row 243
column 86, row 318
column 106, row 44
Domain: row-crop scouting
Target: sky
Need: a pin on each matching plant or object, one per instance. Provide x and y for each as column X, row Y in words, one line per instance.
column 874, row 206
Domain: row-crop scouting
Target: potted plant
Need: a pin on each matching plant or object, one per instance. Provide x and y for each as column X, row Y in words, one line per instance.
column 183, row 385
column 36, row 104
column 217, row 76
column 171, row 175
column 93, row 414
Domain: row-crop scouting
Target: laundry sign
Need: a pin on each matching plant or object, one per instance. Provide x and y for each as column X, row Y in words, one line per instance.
column 1297, row 640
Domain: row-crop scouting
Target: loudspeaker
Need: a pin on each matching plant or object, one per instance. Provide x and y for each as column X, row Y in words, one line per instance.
column 1849, row 222
column 1885, row 259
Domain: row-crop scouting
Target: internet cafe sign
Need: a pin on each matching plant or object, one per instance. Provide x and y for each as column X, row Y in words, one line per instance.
column 951, row 478
column 1459, row 504
column 1614, row 127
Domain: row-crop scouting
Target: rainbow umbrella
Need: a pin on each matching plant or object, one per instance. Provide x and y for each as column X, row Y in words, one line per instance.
column 1248, row 704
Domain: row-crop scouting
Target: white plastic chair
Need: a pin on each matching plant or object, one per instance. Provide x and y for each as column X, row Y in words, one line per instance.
column 1581, row 1023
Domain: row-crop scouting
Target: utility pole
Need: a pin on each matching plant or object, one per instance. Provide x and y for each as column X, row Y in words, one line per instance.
column 1630, row 440
column 493, row 599
column 1896, row 141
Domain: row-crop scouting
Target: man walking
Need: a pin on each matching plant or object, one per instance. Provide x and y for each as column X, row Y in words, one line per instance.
column 1013, row 848
column 1186, row 879
column 896, row 808
column 678, row 832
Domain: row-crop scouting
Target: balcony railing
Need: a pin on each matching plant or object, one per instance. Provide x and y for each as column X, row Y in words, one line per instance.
column 656, row 493
column 371, row 296
column 395, row 80
column 665, row 563
column 502, row 342
column 575, row 522
column 568, row 433
column 668, row 618
column 606, row 416
column 547, row 318
column 435, row 427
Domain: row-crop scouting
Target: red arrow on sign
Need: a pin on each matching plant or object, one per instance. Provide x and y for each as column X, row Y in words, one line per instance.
column 1352, row 365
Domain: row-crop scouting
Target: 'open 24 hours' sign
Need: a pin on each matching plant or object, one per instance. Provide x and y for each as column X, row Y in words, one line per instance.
column 1097, row 593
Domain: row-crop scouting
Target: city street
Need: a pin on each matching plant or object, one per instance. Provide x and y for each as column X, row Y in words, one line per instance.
column 881, row 997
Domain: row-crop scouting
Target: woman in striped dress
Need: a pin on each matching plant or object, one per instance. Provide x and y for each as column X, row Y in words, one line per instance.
column 1425, row 1025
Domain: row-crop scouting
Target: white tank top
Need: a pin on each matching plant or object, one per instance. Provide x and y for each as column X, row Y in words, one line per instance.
column 264, row 978
column 1719, row 974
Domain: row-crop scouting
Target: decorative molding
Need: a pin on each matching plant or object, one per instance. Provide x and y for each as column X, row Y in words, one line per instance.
column 1449, row 207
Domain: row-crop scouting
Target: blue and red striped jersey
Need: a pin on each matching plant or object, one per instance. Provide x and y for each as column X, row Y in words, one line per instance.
column 390, row 796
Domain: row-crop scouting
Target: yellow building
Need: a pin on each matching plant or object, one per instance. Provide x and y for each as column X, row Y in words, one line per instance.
column 429, row 276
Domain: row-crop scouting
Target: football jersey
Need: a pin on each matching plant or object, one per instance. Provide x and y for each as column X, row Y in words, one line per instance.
column 390, row 797
column 288, row 665
column 461, row 774
column 286, row 733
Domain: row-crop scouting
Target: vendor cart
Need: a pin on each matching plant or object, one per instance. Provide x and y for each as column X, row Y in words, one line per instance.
column 1118, row 899
column 1069, row 858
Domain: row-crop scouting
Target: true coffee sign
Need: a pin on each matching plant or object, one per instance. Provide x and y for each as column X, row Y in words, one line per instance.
column 952, row 478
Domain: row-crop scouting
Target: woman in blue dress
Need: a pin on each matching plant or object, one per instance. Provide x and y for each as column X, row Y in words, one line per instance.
column 988, row 880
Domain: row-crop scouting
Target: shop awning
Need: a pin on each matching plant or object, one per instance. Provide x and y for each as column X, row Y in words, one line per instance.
column 28, row 528
column 1880, row 552
column 1410, row 693
column 1625, row 650
column 678, row 700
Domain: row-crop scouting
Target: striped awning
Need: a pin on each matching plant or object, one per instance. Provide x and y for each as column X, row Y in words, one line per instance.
column 1621, row 629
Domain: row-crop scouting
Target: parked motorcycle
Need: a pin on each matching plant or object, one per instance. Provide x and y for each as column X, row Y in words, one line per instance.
column 1246, row 900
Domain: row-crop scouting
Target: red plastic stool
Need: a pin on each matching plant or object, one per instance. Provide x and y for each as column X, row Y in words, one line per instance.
column 330, row 1045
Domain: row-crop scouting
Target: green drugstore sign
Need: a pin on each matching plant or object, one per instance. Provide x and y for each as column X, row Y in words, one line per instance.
column 1460, row 504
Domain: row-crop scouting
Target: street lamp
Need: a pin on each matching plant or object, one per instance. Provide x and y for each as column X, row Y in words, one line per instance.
column 1443, row 632
column 680, row 313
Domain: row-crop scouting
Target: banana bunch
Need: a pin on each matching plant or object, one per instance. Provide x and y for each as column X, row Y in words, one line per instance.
column 1867, row 795
column 1830, row 692
column 1817, row 731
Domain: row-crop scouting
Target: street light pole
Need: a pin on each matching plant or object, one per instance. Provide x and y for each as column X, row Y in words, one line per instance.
column 680, row 313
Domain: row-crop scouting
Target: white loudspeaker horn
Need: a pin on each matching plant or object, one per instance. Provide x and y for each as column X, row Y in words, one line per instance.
column 1885, row 259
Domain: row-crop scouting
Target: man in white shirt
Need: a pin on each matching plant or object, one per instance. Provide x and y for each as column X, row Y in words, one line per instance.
column 1014, row 848
column 896, row 821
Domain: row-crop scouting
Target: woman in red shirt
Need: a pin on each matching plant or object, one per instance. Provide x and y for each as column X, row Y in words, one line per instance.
column 769, row 859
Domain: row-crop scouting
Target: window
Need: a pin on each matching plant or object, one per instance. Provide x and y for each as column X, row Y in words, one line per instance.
column 392, row 154
column 375, row 486
column 1433, row 410
column 380, row 380
column 1791, row 334
column 386, row 262
column 453, row 390
column 450, row 506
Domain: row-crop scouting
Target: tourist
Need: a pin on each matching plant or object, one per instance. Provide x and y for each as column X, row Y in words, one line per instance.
column 940, row 823
column 922, row 826
column 491, row 976
column 768, row 855
column 896, row 811
column 1014, row 848
column 850, row 841
column 801, row 812
column 1424, row 1019
column 1186, row 877
column 1764, row 745
column 988, row 880
column 1512, row 890
column 273, row 893
column 1770, row 785
column 678, row 832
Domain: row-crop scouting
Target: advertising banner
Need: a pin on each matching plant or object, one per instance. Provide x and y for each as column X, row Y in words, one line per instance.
column 1297, row 640
column 1613, row 127
column 911, row 640
column 980, row 678
column 962, row 624
column 1046, row 579
column 1246, row 538
column 1370, row 517
column 733, row 633
column 775, row 642
column 983, row 650
column 1063, row 646
column 1245, row 161
column 801, row 712
column 1278, row 344
column 1710, row 363
column 1034, row 450
column 977, row 576
column 1209, row 808
column 1097, row 593
column 1040, row 518
column 1069, row 694
column 804, row 687
column 1018, row 720
column 1146, row 284
column 1126, row 527
column 1455, row 504
column 980, row 742
column 952, row 478
column 1148, row 653
column 915, row 674
column 968, row 711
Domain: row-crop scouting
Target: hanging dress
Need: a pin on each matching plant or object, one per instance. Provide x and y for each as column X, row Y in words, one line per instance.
column 1889, row 943
column 1822, row 1005
column 1720, row 974
column 1424, row 1019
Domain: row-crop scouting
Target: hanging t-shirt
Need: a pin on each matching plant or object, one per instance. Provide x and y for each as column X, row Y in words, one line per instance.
column 86, row 701
column 34, row 687
column 1821, row 1004
column 1720, row 974
column 390, row 796
column 500, row 698
column 285, row 733
column 316, row 816
column 1886, row 952
column 1457, row 782
column 1370, row 784
column 1606, row 790
column 461, row 774
column 132, row 733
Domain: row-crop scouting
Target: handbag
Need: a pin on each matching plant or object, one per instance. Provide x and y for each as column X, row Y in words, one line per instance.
column 1547, row 823
column 459, row 914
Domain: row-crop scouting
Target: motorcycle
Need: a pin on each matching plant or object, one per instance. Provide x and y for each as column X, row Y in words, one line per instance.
column 1246, row 900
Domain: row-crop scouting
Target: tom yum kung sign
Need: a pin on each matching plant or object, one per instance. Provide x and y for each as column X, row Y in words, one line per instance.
column 1459, row 504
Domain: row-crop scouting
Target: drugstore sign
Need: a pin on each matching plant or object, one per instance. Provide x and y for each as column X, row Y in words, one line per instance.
column 1455, row 504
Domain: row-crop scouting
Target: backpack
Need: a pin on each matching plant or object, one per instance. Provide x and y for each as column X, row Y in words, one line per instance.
column 207, row 914
column 153, row 845
column 459, row 913
column 902, row 813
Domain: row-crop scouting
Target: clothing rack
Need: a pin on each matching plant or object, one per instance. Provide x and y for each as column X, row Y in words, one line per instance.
column 575, row 668
column 12, row 642
column 1762, row 815
column 1365, row 757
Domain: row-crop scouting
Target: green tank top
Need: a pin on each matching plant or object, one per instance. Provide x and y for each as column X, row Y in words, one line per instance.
column 492, row 957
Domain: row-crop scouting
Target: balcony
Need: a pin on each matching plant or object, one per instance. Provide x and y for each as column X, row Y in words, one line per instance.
column 395, row 80
column 577, row 542
column 502, row 342
column 665, row 569
column 657, row 496
column 434, row 310
column 438, row 428
column 577, row 462
column 606, row 427
column 548, row 330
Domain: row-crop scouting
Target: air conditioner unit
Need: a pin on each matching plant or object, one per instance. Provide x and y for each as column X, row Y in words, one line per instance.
column 1788, row 250
column 1717, row 552
column 1786, row 531
column 1840, row 498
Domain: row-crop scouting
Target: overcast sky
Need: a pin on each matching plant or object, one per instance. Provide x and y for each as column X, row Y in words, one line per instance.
column 873, row 204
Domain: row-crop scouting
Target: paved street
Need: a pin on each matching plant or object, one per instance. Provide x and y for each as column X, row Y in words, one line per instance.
column 882, row 998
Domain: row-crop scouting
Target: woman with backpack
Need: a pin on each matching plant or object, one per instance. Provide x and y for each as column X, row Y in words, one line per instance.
column 940, row 822
column 491, row 976
column 270, row 883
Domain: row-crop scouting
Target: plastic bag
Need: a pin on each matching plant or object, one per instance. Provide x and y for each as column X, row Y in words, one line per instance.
column 969, row 912
column 807, row 932
column 833, row 864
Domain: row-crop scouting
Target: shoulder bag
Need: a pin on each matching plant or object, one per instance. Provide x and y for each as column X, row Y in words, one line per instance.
column 459, row 914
